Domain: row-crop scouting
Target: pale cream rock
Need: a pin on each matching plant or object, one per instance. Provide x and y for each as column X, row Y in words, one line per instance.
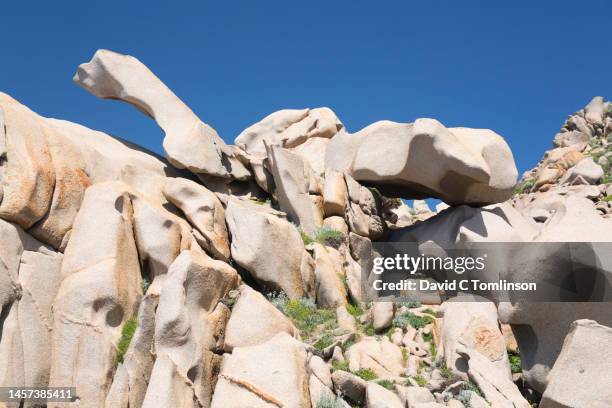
column 382, row 315
column 475, row 325
column 255, row 320
column 272, row 374
column 203, row 210
column 335, row 194
column 28, row 174
column 382, row 356
column 97, row 295
column 330, row 289
column 189, row 142
column 294, row 180
column 457, row 165
column 580, row 376
column 186, row 330
column 379, row 397
column 288, row 128
column 270, row 248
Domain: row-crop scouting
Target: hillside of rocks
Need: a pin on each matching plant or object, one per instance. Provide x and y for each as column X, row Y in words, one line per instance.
column 235, row 276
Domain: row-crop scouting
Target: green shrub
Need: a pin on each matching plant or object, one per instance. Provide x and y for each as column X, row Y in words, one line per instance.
column 127, row 332
column 305, row 237
column 366, row 374
column 515, row 362
column 410, row 304
column 369, row 329
column 328, row 236
column 430, row 312
column 355, row 310
column 341, row 365
column 608, row 198
column 421, row 382
column 387, row 384
column 304, row 314
column 405, row 354
column 324, row 342
column 327, row 401
column 524, row 187
column 347, row 344
column 409, row 318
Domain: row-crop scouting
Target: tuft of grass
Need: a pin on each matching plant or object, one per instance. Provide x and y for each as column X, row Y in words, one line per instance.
column 515, row 362
column 608, row 198
column 369, row 329
column 421, row 382
column 341, row 365
column 524, row 187
column 127, row 332
column 324, row 236
column 366, row 374
column 446, row 371
column 327, row 401
column 430, row 312
column 347, row 344
column 387, row 384
column 304, row 314
column 409, row 318
column 405, row 355
column 354, row 310
column 305, row 237
column 324, row 342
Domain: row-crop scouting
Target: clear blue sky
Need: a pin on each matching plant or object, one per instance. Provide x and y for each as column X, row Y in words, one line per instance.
column 516, row 67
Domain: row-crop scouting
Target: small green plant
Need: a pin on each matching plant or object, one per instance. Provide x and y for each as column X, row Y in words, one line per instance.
column 515, row 362
column 607, row 199
column 369, row 329
column 341, row 365
column 428, row 337
column 524, row 187
column 366, row 374
column 144, row 285
column 324, row 342
column 421, row 382
column 324, row 236
column 305, row 237
column 470, row 386
column 446, row 371
column 347, row 344
column 410, row 304
column 387, row 384
column 127, row 332
column 405, row 354
column 409, row 318
column 304, row 314
column 354, row 310
column 430, row 312
column 327, row 401
column 259, row 201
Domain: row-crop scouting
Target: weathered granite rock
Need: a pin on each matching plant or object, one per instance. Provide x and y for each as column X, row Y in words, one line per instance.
column 288, row 128
column 425, row 159
column 97, row 295
column 296, row 188
column 330, row 289
column 380, row 397
column 382, row 356
column 203, row 210
column 350, row 385
column 580, row 374
column 270, row 248
column 189, row 142
column 272, row 374
column 254, row 320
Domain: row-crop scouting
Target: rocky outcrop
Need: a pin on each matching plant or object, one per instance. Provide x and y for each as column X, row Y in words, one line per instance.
column 240, row 275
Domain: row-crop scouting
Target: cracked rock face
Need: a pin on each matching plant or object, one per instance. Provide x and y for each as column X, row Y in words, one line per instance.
column 236, row 275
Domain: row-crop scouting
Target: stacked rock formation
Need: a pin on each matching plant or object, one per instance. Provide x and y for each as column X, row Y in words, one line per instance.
column 232, row 275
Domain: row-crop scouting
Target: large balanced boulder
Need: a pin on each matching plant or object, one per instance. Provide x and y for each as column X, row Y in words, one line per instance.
column 425, row 159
